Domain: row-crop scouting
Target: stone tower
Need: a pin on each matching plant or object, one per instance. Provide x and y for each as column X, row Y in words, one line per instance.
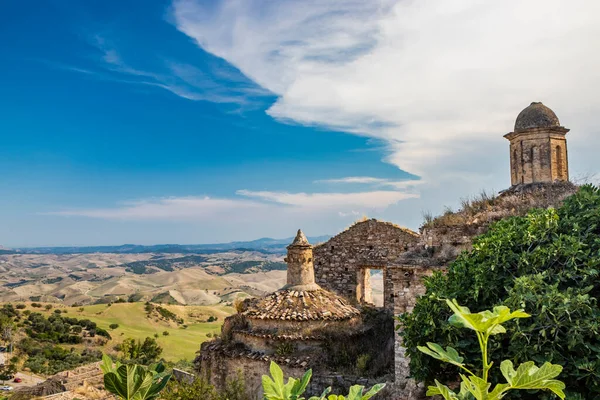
column 538, row 147
column 300, row 269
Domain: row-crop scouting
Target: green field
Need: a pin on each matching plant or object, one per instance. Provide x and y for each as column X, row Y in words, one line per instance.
column 181, row 343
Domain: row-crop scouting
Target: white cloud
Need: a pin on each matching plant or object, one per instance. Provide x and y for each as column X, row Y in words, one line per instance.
column 181, row 79
column 369, row 180
column 323, row 201
column 439, row 81
column 355, row 179
column 172, row 208
column 249, row 205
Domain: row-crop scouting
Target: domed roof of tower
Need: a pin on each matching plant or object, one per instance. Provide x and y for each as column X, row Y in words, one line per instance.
column 536, row 115
column 300, row 239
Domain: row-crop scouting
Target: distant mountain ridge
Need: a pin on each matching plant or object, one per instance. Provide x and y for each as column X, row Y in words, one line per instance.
column 264, row 245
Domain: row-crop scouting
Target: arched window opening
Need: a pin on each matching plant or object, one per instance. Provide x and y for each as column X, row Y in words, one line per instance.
column 535, row 163
column 559, row 163
column 515, row 166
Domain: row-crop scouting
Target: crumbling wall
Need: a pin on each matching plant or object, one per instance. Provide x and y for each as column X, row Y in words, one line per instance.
column 367, row 244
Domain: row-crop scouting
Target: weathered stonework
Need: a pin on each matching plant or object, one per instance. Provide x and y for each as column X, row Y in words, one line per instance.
column 538, row 147
column 343, row 263
column 307, row 313
column 300, row 326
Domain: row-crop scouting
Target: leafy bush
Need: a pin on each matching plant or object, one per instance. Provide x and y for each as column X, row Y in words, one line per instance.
column 275, row 388
column 141, row 352
column 487, row 324
column 547, row 262
column 200, row 388
column 46, row 358
column 285, row 349
column 113, row 326
column 362, row 363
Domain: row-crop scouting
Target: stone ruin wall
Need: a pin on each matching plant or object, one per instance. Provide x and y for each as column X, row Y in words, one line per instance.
column 402, row 255
column 227, row 368
column 341, row 262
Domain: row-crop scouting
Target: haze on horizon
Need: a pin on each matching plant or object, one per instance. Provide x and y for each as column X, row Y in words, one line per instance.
column 196, row 121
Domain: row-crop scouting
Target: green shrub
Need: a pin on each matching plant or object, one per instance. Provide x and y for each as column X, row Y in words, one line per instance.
column 144, row 352
column 486, row 324
column 200, row 388
column 362, row 363
column 284, row 349
column 275, row 388
column 547, row 262
column 113, row 326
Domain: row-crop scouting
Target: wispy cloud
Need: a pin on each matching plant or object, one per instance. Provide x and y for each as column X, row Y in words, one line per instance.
column 439, row 82
column 247, row 205
column 212, row 83
column 369, row 180
column 323, row 201
column 172, row 208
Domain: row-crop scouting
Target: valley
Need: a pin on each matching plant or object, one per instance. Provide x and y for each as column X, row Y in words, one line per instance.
column 171, row 278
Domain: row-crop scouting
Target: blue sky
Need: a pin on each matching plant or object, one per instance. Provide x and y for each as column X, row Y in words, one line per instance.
column 207, row 121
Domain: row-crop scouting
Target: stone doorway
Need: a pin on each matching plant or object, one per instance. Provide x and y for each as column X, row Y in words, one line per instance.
column 370, row 285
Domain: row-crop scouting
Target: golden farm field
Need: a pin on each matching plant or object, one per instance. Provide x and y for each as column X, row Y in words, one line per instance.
column 180, row 343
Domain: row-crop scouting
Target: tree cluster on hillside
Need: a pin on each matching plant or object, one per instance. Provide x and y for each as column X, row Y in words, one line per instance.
column 60, row 329
column 136, row 351
column 546, row 262
column 48, row 358
column 162, row 312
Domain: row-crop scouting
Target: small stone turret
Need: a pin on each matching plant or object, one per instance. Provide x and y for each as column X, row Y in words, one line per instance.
column 300, row 269
column 538, row 147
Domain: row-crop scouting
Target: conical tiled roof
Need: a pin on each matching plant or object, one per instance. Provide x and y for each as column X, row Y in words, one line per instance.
column 301, row 306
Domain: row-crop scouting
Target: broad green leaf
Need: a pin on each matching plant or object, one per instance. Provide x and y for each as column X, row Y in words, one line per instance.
column 158, row 386
column 485, row 321
column 323, row 395
column 528, row 376
column 270, row 388
column 450, row 355
column 276, row 373
column 476, row 386
column 462, row 316
column 441, row 390
column 373, row 391
column 287, row 388
column 113, row 385
column 107, row 365
column 144, row 391
column 131, row 376
column 301, row 384
column 355, row 392
column 498, row 391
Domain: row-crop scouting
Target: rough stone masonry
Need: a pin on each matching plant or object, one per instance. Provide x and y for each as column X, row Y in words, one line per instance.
column 539, row 168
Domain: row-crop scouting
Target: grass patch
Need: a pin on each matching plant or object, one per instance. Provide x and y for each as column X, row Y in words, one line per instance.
column 181, row 342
